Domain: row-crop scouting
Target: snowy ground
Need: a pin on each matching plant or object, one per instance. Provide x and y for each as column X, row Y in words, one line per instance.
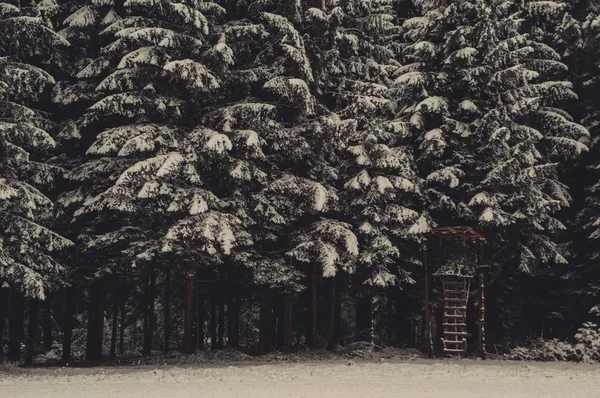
column 419, row 378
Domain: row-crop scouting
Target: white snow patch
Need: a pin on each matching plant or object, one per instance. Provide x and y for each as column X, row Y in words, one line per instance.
column 417, row 378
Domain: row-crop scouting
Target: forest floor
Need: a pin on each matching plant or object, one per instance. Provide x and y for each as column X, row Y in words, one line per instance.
column 340, row 378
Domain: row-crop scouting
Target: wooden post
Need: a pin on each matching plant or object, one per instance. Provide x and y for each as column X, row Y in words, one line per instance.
column 428, row 345
column 481, row 321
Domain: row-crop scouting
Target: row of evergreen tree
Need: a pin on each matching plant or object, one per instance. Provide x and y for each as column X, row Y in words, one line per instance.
column 273, row 167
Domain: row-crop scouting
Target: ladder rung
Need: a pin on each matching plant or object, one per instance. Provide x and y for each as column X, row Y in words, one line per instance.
column 456, row 333
column 455, row 300
column 454, row 291
column 453, row 350
column 454, row 324
column 454, row 316
column 462, row 307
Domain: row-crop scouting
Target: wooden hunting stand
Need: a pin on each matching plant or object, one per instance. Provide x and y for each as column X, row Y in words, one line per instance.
column 458, row 265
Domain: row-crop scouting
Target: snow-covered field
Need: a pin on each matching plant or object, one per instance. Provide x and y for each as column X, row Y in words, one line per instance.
column 460, row 378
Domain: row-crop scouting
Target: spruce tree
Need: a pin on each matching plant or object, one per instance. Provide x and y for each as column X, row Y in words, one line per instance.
column 492, row 133
column 29, row 53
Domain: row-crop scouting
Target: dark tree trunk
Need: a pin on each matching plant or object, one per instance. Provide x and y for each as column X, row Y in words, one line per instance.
column 96, row 321
column 146, row 313
column 230, row 310
column 122, row 323
column 189, row 335
column 32, row 331
column 115, row 320
column 47, row 324
column 149, row 313
column 15, row 325
column 390, row 314
column 338, row 318
column 288, row 322
column 221, row 321
column 265, row 321
column 235, row 317
column 167, row 309
column 314, row 307
column 3, row 307
column 490, row 319
column 332, row 306
column 401, row 328
column 273, row 297
column 68, row 324
column 134, row 332
column 281, row 320
column 213, row 322
column 363, row 318
column 201, row 320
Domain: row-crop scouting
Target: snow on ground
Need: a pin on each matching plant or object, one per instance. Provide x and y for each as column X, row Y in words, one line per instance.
column 420, row 378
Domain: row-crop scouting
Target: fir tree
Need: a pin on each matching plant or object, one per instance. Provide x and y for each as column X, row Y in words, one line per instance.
column 492, row 133
column 29, row 52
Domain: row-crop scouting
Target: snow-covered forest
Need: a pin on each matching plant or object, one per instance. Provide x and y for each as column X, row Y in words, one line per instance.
column 182, row 175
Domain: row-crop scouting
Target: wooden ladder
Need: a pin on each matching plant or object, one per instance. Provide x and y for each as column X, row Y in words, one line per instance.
column 456, row 294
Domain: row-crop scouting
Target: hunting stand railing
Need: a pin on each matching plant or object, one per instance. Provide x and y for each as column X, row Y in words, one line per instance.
column 460, row 264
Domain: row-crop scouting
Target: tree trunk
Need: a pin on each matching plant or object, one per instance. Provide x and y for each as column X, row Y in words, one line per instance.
column 96, row 321
column 221, row 321
column 274, row 315
column 213, row 322
column 122, row 323
column 401, row 329
column 201, row 320
column 3, row 306
column 68, row 324
column 230, row 310
column 234, row 341
column 363, row 318
column 281, row 320
column 315, row 307
column 32, row 331
column 189, row 335
column 115, row 320
column 15, row 326
column 390, row 314
column 265, row 321
column 149, row 313
column 134, row 333
column 288, row 322
column 338, row 317
column 47, row 324
column 167, row 309
column 332, row 305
